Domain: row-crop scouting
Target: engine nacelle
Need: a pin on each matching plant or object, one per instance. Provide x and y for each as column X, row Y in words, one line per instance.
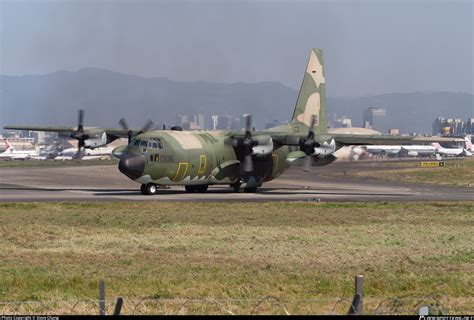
column 264, row 147
column 325, row 149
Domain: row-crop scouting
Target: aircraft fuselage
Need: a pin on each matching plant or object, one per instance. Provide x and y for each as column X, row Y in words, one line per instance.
column 167, row 157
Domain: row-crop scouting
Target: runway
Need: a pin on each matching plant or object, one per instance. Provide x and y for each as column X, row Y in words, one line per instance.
column 106, row 183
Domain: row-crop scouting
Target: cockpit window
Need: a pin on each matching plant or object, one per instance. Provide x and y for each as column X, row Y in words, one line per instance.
column 155, row 143
column 136, row 142
column 144, row 143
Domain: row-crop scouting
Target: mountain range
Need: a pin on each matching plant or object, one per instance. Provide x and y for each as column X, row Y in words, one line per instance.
column 106, row 96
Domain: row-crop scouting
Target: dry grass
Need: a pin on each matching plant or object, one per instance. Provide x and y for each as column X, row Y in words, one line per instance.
column 455, row 173
column 58, row 251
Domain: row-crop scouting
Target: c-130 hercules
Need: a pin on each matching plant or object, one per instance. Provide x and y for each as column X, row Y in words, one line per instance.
column 241, row 159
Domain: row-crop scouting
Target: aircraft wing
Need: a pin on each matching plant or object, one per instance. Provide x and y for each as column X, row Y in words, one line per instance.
column 358, row 139
column 119, row 133
column 39, row 128
column 115, row 132
column 290, row 138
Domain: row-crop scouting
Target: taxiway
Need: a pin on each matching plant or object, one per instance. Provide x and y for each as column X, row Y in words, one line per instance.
column 106, row 183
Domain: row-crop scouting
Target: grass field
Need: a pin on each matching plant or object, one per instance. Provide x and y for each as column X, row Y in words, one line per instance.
column 56, row 253
column 455, row 173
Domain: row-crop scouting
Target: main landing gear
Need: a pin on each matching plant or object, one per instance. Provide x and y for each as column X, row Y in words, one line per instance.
column 194, row 189
column 148, row 189
column 236, row 187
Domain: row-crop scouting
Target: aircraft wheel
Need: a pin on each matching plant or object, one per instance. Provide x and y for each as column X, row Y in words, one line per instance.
column 151, row 189
column 202, row 189
column 190, row 189
column 235, row 186
column 143, row 189
column 250, row 190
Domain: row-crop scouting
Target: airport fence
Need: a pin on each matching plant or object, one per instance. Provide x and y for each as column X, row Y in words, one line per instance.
column 266, row 305
column 433, row 304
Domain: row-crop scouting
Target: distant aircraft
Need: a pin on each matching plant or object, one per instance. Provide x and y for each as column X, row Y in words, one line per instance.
column 86, row 154
column 383, row 150
column 88, row 138
column 419, row 151
column 12, row 154
column 469, row 145
column 452, row 152
column 351, row 153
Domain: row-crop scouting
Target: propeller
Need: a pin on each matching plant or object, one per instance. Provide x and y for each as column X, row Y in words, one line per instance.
column 123, row 123
column 79, row 134
column 247, row 144
column 130, row 133
column 307, row 145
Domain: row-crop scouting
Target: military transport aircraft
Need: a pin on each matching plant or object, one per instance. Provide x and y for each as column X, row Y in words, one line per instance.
column 241, row 159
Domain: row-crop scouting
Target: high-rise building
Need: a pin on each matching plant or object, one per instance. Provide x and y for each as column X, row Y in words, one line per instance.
column 470, row 126
column 190, row 122
column 221, row 122
column 450, row 126
column 375, row 118
column 343, row 122
column 181, row 119
column 235, row 125
column 214, row 122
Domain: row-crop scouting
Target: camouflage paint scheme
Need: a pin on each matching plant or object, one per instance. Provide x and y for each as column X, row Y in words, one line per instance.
column 203, row 157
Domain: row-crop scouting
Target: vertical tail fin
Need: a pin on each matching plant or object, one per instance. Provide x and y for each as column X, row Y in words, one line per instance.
column 312, row 97
column 469, row 145
column 9, row 146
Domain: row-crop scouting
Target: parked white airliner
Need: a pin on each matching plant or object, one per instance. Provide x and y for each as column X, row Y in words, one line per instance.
column 11, row 154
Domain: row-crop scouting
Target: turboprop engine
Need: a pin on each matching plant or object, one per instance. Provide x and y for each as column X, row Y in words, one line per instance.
column 320, row 156
column 323, row 155
column 264, row 146
column 325, row 149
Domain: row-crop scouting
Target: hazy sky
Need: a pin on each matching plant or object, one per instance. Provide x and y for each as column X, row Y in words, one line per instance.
column 370, row 47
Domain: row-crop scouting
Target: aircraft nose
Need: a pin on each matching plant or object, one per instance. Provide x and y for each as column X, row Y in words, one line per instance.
column 132, row 166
